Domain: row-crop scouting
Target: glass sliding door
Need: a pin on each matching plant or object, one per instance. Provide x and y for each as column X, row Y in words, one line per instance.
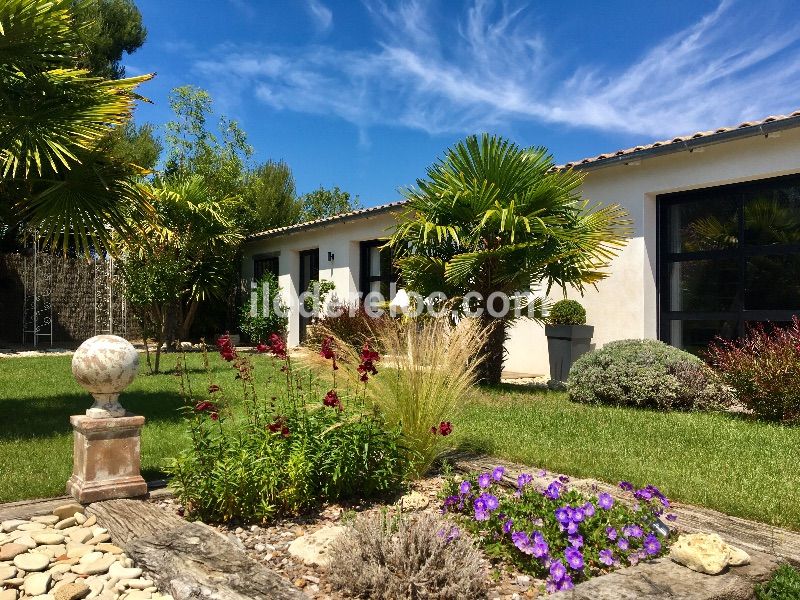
column 728, row 256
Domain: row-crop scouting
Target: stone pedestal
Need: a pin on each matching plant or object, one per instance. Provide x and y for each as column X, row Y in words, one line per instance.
column 107, row 459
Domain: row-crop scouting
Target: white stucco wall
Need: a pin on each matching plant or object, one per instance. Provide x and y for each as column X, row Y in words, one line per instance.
column 625, row 304
column 340, row 238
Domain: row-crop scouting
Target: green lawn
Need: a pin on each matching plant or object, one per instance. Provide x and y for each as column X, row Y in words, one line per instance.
column 745, row 468
column 37, row 396
column 742, row 467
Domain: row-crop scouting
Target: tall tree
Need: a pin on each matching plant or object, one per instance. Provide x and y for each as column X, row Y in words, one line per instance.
column 269, row 192
column 323, row 203
column 108, row 28
column 194, row 149
column 493, row 217
column 58, row 177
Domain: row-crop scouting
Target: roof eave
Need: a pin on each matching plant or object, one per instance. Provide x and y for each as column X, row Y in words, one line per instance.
column 690, row 144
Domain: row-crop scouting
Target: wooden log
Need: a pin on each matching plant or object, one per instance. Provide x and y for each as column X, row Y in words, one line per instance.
column 188, row 560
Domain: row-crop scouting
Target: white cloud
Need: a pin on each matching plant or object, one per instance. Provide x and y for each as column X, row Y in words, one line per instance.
column 320, row 14
column 493, row 65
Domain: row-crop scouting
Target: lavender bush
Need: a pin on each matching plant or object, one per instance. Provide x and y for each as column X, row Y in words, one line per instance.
column 558, row 534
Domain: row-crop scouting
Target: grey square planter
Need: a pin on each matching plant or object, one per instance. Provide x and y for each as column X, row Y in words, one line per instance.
column 565, row 343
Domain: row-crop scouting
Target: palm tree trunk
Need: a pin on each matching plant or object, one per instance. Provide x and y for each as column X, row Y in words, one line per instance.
column 186, row 325
column 493, row 351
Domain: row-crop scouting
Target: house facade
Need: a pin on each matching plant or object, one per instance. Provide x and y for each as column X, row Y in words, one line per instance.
column 715, row 243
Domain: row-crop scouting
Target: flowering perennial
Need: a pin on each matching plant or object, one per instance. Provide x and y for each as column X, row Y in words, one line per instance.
column 556, row 533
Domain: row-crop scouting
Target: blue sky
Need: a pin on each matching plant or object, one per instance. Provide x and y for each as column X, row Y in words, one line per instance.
column 365, row 95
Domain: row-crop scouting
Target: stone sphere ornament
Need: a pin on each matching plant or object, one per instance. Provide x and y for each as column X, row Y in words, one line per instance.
column 105, row 365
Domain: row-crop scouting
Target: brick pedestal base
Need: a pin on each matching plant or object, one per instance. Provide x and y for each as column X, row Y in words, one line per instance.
column 106, row 460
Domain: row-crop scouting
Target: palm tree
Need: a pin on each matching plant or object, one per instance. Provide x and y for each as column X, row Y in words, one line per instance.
column 494, row 217
column 186, row 255
column 59, row 177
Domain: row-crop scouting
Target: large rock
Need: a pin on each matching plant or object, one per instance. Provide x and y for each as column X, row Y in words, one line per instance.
column 414, row 500
column 72, row 591
column 706, row 553
column 662, row 579
column 31, row 562
column 9, row 551
column 67, row 511
column 37, row 584
column 314, row 548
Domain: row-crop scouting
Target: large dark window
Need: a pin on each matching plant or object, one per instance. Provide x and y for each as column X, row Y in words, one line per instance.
column 264, row 264
column 729, row 256
column 376, row 270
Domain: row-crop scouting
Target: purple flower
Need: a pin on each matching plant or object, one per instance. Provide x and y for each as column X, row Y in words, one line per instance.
column 451, row 501
column 484, row 480
column 671, row 517
column 605, row 501
column 481, row 510
column 643, row 494
column 540, row 547
column 563, row 515
column 507, row 525
column 633, row 559
column 611, row 533
column 557, row 570
column 524, row 479
column 652, row 545
column 465, row 487
column 574, row 558
column 565, row 583
column 622, row 544
column 572, row 528
column 576, row 541
column 588, row 509
column 522, row 542
column 553, row 491
column 633, row 531
column 498, row 472
column 563, row 479
column 626, row 486
column 578, row 515
column 607, row 557
column 491, row 501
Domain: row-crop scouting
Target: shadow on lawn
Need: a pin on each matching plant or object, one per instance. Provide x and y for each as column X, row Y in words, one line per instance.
column 46, row 417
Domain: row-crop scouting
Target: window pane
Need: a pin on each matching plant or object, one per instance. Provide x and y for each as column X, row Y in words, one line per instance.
column 694, row 336
column 772, row 216
column 772, row 282
column 703, row 285
column 708, row 224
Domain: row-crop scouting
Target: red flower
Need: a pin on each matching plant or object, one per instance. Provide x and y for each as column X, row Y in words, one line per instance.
column 332, row 399
column 445, row 428
column 327, row 352
column 261, row 348
column 213, row 388
column 368, row 360
column 209, row 407
column 215, row 416
column 277, row 346
column 226, row 348
column 279, row 426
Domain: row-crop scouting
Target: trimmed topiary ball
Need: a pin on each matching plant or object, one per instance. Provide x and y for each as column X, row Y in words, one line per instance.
column 567, row 312
column 646, row 373
column 415, row 557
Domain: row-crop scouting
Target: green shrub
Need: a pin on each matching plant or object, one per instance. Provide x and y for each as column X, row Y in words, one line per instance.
column 284, row 455
column 784, row 585
column 258, row 327
column 567, row 312
column 764, row 369
column 407, row 557
column 646, row 373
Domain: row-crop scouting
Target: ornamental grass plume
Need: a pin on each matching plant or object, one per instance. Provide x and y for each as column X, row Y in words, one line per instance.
column 427, row 372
